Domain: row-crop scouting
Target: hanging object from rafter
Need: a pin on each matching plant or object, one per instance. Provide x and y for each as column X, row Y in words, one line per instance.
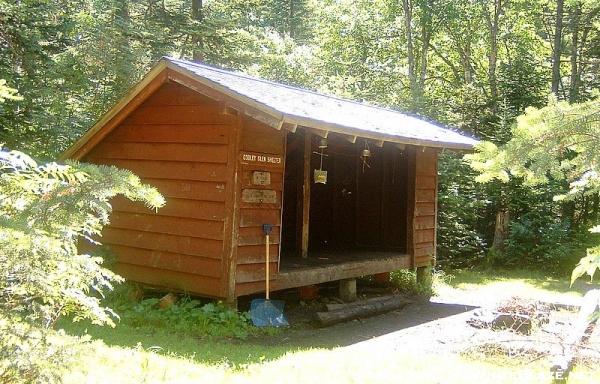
column 365, row 155
column 319, row 174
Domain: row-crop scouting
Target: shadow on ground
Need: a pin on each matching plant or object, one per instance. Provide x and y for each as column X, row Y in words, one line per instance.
column 269, row 347
column 352, row 332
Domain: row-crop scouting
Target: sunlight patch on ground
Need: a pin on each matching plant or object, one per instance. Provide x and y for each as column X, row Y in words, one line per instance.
column 478, row 288
column 167, row 357
column 102, row 364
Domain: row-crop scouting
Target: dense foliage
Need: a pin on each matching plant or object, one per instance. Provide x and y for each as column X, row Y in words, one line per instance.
column 186, row 316
column 557, row 142
column 472, row 64
column 45, row 210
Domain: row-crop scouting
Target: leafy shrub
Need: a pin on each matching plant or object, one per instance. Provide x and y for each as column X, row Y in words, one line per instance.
column 44, row 211
column 187, row 315
column 406, row 281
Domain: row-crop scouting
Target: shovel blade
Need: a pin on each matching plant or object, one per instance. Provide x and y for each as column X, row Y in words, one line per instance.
column 267, row 313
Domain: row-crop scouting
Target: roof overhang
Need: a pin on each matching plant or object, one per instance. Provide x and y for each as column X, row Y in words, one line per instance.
column 165, row 71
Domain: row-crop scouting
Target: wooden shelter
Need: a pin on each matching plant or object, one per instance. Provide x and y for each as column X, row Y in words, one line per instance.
column 232, row 152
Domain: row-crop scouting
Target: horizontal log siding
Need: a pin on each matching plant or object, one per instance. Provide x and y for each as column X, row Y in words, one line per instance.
column 250, row 275
column 424, row 238
column 178, row 142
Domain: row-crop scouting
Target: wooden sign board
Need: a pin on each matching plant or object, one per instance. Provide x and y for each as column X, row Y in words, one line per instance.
column 259, row 196
column 261, row 159
column 261, row 178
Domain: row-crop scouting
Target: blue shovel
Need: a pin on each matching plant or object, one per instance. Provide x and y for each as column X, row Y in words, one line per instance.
column 266, row 312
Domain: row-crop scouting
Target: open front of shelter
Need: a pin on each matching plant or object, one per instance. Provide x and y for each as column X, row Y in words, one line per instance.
column 350, row 189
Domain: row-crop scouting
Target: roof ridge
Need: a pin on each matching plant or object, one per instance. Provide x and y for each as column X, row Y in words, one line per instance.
column 249, row 77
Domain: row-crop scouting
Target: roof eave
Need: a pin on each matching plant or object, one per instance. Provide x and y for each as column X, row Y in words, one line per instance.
column 82, row 146
column 313, row 123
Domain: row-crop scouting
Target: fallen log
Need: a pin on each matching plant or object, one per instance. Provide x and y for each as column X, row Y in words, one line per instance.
column 563, row 362
column 337, row 306
column 362, row 309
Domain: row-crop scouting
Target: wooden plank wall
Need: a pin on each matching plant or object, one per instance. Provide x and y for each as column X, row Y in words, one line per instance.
column 177, row 141
column 425, row 206
column 258, row 138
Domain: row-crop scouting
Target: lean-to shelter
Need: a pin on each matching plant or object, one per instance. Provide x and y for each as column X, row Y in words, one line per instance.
column 349, row 188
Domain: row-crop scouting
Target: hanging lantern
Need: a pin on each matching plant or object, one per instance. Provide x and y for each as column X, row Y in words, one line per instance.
column 320, row 176
column 365, row 154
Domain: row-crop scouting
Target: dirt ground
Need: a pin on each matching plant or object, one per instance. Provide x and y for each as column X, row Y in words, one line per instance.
column 436, row 326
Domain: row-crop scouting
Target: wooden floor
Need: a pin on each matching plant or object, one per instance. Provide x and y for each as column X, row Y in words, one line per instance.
column 324, row 258
column 321, row 267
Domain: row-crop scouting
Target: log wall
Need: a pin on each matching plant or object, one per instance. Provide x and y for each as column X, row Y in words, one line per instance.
column 260, row 140
column 178, row 142
column 425, row 206
column 208, row 239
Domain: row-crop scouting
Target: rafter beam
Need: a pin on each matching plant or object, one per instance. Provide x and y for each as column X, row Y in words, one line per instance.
column 319, row 132
column 350, row 138
column 290, row 127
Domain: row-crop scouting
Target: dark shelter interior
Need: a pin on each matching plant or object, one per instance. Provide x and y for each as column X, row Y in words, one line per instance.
column 359, row 212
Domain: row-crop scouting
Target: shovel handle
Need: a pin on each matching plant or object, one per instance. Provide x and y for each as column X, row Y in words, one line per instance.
column 267, row 265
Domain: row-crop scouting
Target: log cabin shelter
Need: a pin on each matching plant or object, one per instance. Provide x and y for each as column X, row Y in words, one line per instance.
column 349, row 188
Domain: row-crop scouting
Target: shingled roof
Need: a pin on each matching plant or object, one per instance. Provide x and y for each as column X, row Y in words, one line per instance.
column 309, row 108
column 279, row 104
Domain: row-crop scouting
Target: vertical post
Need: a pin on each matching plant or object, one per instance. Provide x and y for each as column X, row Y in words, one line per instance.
column 411, row 199
column 424, row 278
column 267, row 278
column 231, row 224
column 348, row 290
column 306, row 194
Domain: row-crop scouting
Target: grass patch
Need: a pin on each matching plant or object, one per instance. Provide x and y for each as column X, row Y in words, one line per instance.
column 103, row 363
column 150, row 346
column 485, row 285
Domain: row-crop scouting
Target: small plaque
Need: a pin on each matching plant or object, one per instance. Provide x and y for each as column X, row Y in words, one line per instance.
column 259, row 196
column 261, row 178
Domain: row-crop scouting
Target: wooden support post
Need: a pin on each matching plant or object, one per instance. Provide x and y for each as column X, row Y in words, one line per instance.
column 290, row 127
column 401, row 147
column 382, row 278
column 348, row 290
column 308, row 292
column 306, row 194
column 232, row 302
column 424, row 278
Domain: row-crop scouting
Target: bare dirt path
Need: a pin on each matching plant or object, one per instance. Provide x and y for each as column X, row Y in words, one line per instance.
column 438, row 326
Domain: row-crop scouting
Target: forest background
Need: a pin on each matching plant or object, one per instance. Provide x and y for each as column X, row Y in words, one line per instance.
column 474, row 65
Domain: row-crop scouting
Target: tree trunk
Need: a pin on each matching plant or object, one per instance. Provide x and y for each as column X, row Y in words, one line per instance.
column 493, row 26
column 574, row 89
column 501, row 229
column 407, row 7
column 124, row 59
column 587, row 26
column 291, row 19
column 465, row 54
column 557, row 47
column 197, row 43
column 426, row 32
